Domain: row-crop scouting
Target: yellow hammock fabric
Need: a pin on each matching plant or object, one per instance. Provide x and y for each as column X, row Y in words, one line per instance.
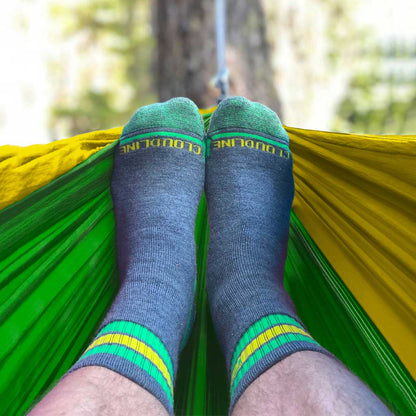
column 355, row 194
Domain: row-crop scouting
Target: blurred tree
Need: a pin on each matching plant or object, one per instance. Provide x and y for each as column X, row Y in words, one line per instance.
column 293, row 55
column 298, row 60
column 186, row 54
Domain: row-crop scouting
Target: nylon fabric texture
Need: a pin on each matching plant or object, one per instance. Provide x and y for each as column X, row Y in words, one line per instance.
column 26, row 169
column 53, row 239
column 356, row 196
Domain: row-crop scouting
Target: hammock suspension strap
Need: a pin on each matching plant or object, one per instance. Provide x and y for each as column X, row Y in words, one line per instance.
column 222, row 80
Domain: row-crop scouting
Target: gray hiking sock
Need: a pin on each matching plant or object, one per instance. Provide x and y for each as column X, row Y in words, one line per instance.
column 156, row 186
column 249, row 189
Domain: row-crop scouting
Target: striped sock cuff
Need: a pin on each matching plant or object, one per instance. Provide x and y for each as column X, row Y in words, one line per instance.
column 135, row 352
column 266, row 342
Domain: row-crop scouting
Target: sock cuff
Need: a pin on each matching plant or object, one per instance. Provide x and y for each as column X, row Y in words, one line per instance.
column 135, row 352
column 268, row 334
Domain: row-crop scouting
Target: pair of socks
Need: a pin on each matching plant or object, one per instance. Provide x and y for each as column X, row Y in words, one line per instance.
column 162, row 163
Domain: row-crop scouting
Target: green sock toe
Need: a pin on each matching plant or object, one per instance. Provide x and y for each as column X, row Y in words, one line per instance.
column 173, row 124
column 176, row 114
column 243, row 114
column 241, row 123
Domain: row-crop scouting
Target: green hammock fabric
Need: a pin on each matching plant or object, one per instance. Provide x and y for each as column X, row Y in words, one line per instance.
column 58, row 277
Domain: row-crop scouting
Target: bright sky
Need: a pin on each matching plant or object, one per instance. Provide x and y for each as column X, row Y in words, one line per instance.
column 389, row 18
column 24, row 86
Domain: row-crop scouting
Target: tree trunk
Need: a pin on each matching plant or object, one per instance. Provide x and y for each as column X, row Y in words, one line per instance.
column 186, row 51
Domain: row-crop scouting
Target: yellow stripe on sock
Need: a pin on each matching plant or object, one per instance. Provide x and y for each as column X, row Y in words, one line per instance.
column 137, row 346
column 262, row 339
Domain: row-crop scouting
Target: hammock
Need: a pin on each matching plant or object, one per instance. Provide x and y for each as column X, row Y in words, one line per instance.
column 350, row 267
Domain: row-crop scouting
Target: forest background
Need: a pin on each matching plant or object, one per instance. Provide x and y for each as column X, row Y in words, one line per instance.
column 72, row 66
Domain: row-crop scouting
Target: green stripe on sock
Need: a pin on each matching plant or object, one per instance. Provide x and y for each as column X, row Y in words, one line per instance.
column 260, row 326
column 135, row 358
column 265, row 349
column 162, row 134
column 252, row 136
column 142, row 334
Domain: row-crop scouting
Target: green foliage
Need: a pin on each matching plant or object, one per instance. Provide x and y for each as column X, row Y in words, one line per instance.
column 93, row 108
column 114, row 43
column 382, row 95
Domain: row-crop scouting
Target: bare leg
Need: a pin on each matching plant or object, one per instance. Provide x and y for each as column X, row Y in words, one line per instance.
column 308, row 383
column 97, row 391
